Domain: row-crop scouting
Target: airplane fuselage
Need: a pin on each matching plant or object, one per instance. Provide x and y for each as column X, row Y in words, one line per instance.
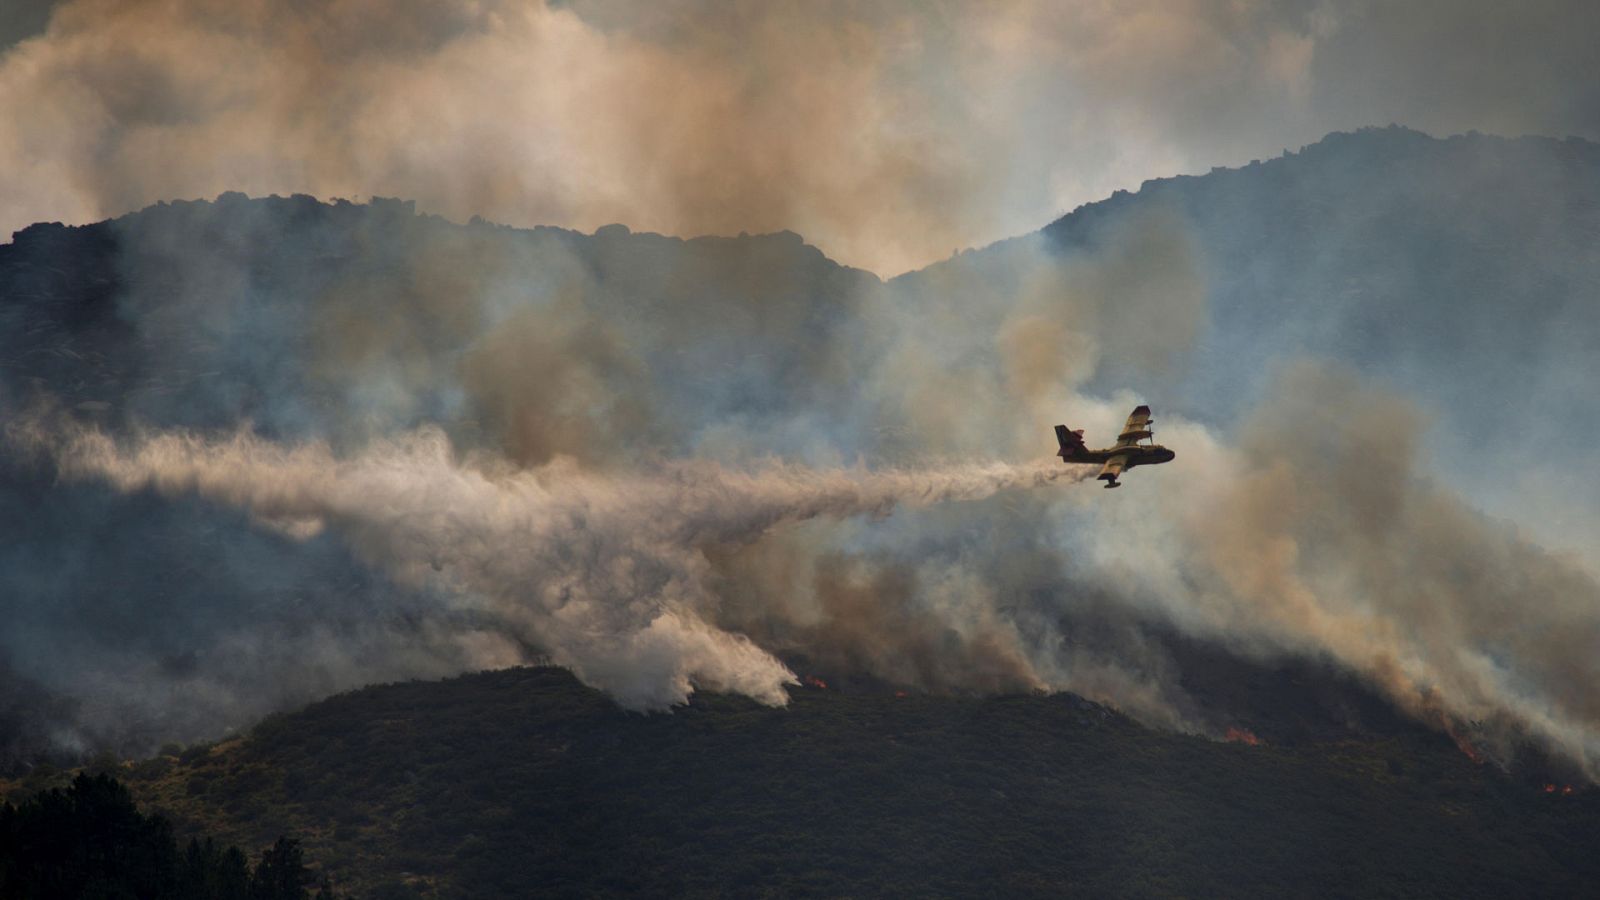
column 1148, row 455
column 1141, row 455
column 1128, row 453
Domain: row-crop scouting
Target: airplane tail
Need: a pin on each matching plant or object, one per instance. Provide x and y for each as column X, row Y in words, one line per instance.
column 1071, row 442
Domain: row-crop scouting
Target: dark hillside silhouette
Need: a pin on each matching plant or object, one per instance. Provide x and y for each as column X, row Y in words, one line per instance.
column 525, row 783
column 89, row 840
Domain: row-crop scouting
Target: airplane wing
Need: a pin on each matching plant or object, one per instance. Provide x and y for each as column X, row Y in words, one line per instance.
column 1112, row 469
column 1136, row 429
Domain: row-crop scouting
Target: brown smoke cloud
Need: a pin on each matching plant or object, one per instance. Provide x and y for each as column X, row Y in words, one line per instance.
column 518, row 112
column 889, row 134
column 1322, row 534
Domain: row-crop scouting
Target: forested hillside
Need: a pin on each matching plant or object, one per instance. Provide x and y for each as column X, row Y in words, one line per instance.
column 523, row 782
column 89, row 840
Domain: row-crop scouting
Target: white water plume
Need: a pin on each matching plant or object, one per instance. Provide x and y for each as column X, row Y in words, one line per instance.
column 603, row 573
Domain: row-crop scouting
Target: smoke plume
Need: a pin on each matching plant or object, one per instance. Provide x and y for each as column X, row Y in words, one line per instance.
column 888, row 133
column 1323, row 532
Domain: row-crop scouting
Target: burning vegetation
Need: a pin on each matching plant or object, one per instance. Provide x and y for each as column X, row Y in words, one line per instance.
column 1462, row 743
column 1236, row 735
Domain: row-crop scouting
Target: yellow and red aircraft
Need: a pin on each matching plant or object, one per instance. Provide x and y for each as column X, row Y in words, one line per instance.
column 1135, row 446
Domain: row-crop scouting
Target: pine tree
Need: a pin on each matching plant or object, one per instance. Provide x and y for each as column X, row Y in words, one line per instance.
column 90, row 840
column 281, row 874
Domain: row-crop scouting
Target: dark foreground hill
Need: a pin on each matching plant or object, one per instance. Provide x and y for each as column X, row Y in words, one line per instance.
column 89, row 840
column 524, row 783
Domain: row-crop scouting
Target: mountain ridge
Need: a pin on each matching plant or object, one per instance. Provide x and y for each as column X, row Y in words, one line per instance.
column 522, row 779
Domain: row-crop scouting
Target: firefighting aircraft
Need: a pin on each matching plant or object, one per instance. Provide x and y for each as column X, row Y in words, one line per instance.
column 1135, row 446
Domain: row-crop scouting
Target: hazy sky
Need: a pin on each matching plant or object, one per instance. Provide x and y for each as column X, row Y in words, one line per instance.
column 887, row 133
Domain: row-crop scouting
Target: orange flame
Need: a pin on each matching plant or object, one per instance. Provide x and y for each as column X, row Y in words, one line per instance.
column 814, row 681
column 1464, row 745
column 900, row 693
column 1243, row 736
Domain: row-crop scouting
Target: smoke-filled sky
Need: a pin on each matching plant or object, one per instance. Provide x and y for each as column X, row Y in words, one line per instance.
column 272, row 449
column 887, row 133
